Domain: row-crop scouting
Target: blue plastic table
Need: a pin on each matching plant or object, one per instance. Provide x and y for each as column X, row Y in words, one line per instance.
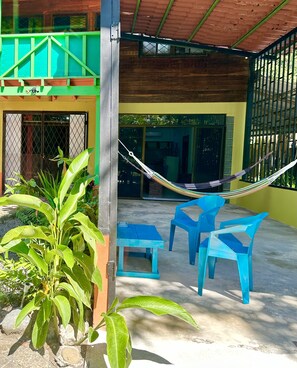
column 139, row 236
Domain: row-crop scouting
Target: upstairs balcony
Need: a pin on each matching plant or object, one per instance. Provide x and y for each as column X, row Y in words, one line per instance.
column 49, row 60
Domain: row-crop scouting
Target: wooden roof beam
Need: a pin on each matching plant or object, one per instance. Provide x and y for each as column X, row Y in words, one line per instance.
column 163, row 20
column 203, row 20
column 259, row 24
column 135, row 15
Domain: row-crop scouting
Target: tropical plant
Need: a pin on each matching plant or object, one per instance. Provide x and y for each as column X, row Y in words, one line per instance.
column 18, row 280
column 21, row 185
column 63, row 255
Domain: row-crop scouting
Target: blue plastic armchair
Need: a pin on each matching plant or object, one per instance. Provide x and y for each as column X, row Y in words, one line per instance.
column 210, row 206
column 227, row 243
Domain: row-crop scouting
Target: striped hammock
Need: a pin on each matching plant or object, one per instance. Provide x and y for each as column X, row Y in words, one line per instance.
column 236, row 193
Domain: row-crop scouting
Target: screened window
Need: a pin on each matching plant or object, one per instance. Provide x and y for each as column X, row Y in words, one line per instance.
column 32, row 24
column 272, row 125
column 67, row 23
column 159, row 49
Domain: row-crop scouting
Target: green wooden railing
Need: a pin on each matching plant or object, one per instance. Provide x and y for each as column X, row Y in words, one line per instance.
column 50, row 55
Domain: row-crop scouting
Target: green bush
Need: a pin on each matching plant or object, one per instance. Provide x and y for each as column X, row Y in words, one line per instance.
column 18, row 281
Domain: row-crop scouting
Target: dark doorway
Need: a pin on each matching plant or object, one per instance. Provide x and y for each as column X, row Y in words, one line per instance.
column 31, row 140
column 130, row 179
column 209, row 153
column 183, row 149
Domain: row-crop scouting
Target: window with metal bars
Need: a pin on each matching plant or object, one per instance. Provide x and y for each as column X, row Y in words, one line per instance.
column 272, row 112
column 31, row 140
column 73, row 22
column 159, row 49
column 32, row 24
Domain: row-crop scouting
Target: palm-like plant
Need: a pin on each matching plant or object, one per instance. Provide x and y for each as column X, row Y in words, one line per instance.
column 64, row 255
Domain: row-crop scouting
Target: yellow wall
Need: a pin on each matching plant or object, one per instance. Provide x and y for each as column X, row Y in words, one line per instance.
column 234, row 109
column 278, row 202
column 281, row 204
column 83, row 104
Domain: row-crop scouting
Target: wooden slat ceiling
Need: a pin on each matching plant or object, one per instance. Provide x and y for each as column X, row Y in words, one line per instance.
column 246, row 25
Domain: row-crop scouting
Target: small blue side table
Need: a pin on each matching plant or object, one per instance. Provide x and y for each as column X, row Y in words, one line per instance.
column 139, row 236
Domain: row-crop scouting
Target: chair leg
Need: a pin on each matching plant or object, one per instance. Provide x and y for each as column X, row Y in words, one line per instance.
column 202, row 263
column 192, row 247
column 251, row 273
column 171, row 237
column 211, row 266
column 198, row 242
column 243, row 269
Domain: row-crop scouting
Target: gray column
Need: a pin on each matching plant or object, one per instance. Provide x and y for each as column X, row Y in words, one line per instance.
column 109, row 102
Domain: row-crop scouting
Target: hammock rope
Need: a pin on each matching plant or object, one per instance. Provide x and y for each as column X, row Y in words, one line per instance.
column 236, row 193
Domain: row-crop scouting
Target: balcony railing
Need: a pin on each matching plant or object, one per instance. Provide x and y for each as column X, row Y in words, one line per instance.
column 50, row 56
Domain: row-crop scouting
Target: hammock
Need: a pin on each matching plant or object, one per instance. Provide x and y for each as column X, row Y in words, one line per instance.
column 207, row 184
column 252, row 188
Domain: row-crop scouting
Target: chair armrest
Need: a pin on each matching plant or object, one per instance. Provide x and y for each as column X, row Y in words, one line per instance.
column 238, row 221
column 184, row 205
column 230, row 230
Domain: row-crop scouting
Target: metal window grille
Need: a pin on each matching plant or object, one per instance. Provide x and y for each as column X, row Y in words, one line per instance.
column 22, row 24
column 159, row 49
column 272, row 112
column 67, row 23
column 32, row 139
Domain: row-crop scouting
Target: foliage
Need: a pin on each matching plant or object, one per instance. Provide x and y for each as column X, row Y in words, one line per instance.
column 63, row 257
column 22, row 186
column 18, row 280
column 118, row 338
column 63, row 254
column 30, row 216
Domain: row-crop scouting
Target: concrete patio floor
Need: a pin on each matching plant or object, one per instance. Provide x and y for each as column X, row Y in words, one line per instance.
column 231, row 334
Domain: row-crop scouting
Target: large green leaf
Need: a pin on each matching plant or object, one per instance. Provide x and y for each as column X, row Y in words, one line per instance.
column 77, row 312
column 158, row 306
column 118, row 340
column 78, row 243
column 70, row 290
column 89, row 226
column 70, row 206
column 26, row 232
column 92, row 334
column 40, row 328
column 80, row 284
column 91, row 271
column 26, row 200
column 97, row 278
column 90, row 232
column 39, row 262
column 16, row 246
column 67, row 255
column 63, row 306
column 79, row 163
column 22, row 249
column 39, row 334
column 28, row 308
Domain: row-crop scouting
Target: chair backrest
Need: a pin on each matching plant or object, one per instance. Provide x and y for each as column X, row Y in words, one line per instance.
column 211, row 206
column 211, row 201
column 254, row 224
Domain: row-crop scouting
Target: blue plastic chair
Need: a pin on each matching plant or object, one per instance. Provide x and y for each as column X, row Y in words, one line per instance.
column 210, row 206
column 223, row 244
